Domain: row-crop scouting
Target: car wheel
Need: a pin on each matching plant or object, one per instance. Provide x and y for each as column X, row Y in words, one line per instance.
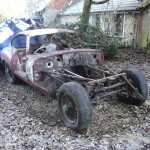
column 138, row 81
column 10, row 75
column 74, row 105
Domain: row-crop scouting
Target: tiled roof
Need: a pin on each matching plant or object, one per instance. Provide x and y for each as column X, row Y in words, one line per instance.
column 112, row 5
column 60, row 4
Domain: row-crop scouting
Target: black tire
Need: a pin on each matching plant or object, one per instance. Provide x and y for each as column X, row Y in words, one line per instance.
column 10, row 75
column 74, row 105
column 138, row 81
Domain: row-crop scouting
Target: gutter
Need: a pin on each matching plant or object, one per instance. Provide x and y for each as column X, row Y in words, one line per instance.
column 100, row 12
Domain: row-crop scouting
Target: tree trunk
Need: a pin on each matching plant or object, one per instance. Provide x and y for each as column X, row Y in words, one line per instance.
column 86, row 9
column 86, row 12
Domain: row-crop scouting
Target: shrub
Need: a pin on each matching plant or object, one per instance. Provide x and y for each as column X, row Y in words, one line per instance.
column 94, row 37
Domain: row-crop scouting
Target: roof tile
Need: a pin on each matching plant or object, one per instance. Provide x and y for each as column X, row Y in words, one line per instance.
column 112, row 5
column 61, row 4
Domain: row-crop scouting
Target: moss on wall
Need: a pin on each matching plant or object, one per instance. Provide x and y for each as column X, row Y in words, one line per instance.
column 144, row 38
column 145, row 34
column 145, row 4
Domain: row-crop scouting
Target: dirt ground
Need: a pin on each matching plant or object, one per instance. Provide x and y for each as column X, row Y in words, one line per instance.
column 115, row 125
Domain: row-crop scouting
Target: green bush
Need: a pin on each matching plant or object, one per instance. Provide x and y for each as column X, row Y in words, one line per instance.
column 93, row 37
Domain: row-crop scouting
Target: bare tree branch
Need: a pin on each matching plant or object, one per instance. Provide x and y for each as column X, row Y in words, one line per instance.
column 99, row 1
column 87, row 7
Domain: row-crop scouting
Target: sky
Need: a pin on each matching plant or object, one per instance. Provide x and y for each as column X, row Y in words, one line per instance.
column 18, row 8
column 13, row 8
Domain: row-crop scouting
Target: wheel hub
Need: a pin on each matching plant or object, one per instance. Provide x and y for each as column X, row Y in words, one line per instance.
column 69, row 108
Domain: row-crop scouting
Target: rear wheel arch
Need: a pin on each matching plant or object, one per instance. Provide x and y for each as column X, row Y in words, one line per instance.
column 11, row 77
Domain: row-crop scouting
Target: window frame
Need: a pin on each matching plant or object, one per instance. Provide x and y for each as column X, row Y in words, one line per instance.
column 123, row 26
column 101, row 24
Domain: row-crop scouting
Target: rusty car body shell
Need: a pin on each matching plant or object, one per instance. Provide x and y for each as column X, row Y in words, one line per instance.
column 58, row 66
column 46, row 71
column 33, row 69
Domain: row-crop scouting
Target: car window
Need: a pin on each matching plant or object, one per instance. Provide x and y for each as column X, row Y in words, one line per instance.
column 69, row 38
column 36, row 40
column 19, row 41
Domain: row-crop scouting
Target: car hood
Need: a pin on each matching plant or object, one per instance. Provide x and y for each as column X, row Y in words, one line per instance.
column 56, row 53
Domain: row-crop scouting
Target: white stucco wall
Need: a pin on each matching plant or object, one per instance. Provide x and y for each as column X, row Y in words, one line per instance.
column 69, row 19
column 49, row 17
column 129, row 30
column 34, row 6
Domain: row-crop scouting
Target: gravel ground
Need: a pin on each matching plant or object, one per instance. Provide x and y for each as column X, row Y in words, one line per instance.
column 29, row 120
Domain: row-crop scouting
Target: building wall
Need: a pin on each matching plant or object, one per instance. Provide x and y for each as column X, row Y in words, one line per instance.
column 34, row 6
column 129, row 31
column 145, row 35
column 49, row 17
column 69, row 19
column 128, row 37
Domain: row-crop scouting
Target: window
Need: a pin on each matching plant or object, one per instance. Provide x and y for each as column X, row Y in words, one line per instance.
column 117, row 24
column 95, row 19
column 111, row 23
